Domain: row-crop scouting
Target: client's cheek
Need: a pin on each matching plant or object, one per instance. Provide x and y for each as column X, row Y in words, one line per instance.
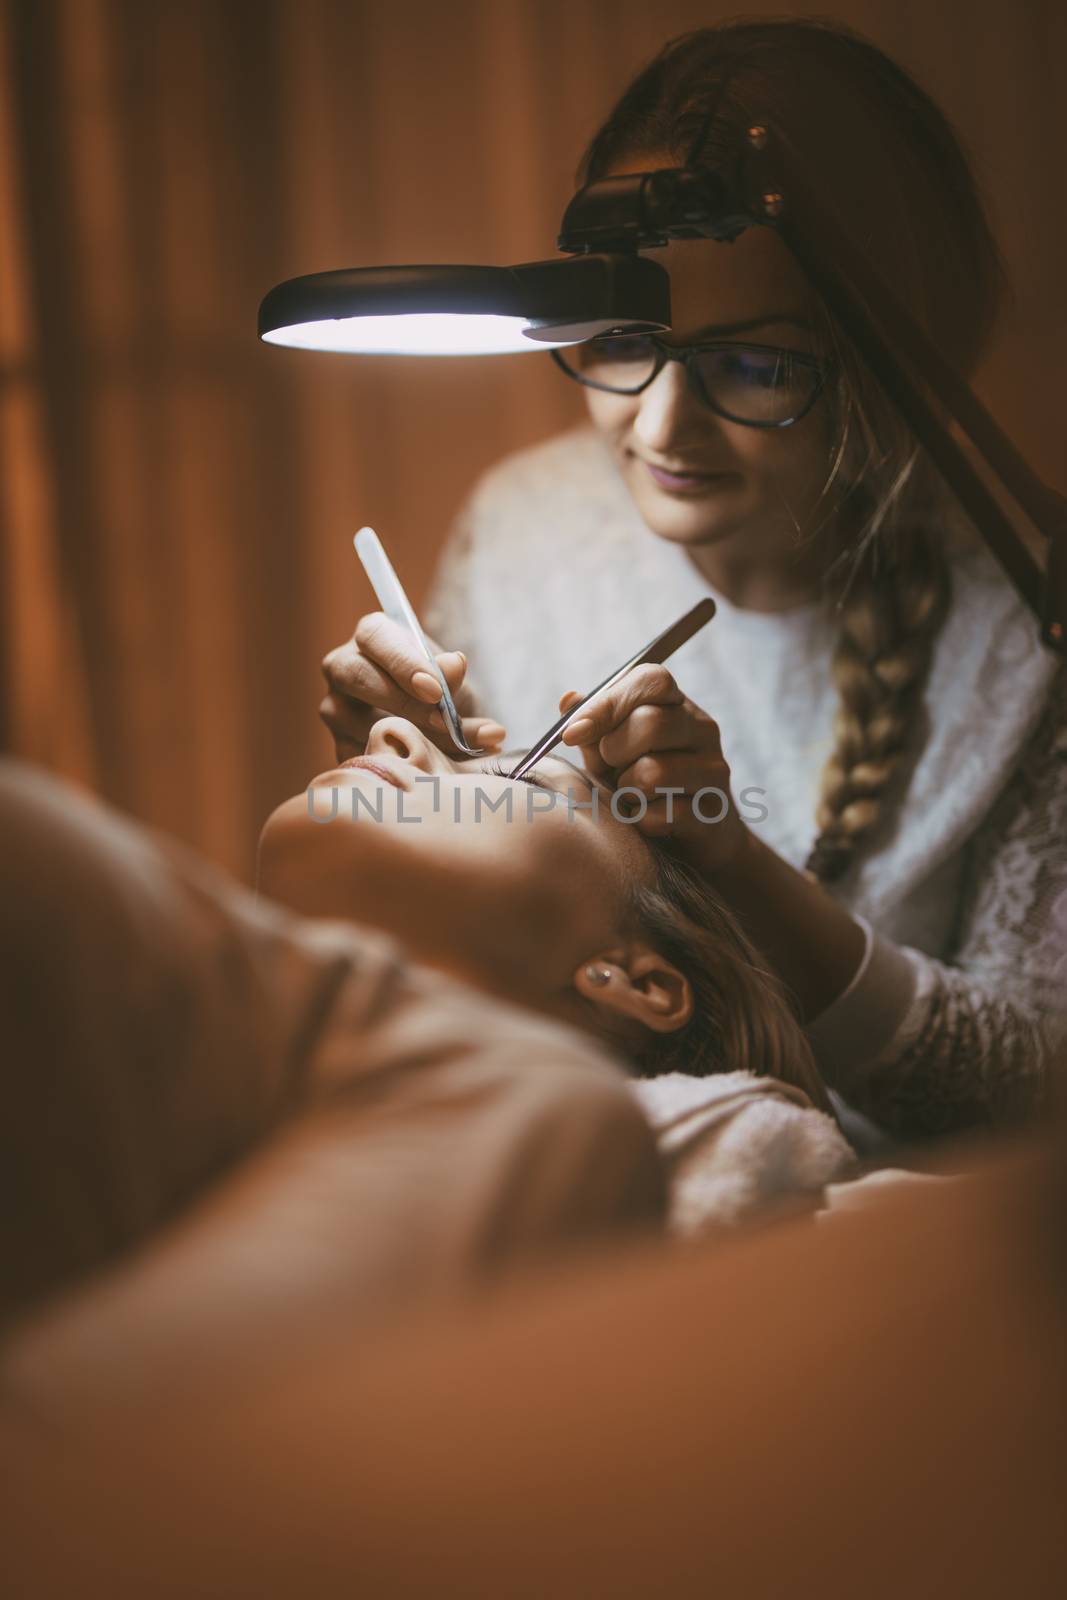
column 575, row 863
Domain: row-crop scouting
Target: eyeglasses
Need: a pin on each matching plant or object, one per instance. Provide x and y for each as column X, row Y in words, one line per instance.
column 758, row 385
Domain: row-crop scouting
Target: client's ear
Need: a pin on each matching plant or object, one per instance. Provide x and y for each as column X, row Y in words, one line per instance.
column 637, row 982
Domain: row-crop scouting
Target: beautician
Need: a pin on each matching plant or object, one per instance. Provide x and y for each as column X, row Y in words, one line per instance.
column 870, row 668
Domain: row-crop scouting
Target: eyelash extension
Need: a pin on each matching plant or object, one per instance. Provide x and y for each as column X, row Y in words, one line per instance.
column 499, row 771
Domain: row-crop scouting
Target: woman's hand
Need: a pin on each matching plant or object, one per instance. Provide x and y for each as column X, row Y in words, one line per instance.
column 644, row 735
column 380, row 672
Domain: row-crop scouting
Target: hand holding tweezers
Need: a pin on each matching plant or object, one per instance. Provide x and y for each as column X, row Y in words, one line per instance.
column 395, row 603
column 662, row 646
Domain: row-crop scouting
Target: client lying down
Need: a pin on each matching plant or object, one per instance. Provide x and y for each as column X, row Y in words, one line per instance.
column 226, row 1125
column 226, row 1122
column 469, row 868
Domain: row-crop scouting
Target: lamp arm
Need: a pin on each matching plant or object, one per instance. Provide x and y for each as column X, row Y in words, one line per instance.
column 884, row 330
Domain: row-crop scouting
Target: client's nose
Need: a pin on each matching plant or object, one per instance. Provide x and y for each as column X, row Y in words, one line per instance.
column 395, row 736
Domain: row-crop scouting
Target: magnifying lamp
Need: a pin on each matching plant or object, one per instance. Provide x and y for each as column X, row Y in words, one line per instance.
column 604, row 286
column 467, row 311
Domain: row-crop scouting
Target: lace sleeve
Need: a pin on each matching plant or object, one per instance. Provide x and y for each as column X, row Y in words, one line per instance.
column 975, row 1043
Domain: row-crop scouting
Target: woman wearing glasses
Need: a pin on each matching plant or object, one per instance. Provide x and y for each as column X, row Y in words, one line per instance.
column 870, row 671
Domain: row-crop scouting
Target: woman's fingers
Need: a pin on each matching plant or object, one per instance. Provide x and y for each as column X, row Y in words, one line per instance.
column 592, row 760
column 481, row 733
column 377, row 696
column 349, row 723
column 453, row 663
column 668, row 722
column 647, row 685
column 595, row 765
column 389, row 646
column 382, row 666
column 652, row 729
column 676, row 770
column 659, row 818
column 663, row 758
column 380, row 672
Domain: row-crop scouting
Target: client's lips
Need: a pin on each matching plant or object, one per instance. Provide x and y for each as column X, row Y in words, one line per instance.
column 378, row 768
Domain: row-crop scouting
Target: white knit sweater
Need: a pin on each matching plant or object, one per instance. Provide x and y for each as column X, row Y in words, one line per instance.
column 550, row 579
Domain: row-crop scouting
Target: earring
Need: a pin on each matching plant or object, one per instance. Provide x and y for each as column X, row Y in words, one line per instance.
column 598, row 975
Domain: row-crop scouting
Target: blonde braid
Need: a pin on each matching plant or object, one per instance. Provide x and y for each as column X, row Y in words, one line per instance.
column 890, row 619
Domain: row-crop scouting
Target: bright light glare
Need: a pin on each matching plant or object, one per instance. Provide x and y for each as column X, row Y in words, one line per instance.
column 423, row 333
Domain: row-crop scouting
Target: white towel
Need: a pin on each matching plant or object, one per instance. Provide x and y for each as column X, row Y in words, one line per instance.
column 736, row 1145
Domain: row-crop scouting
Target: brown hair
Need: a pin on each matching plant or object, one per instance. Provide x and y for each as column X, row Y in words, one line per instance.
column 741, row 1016
column 892, row 169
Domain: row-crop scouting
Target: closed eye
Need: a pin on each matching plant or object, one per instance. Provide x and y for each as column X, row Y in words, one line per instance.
column 499, row 771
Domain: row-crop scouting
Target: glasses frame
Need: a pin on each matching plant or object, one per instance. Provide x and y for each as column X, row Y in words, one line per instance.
column 687, row 354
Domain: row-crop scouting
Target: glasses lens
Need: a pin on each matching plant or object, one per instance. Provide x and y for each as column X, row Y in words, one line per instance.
column 622, row 363
column 762, row 386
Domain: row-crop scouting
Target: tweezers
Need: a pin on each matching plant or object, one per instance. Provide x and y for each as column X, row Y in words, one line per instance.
column 395, row 603
column 662, row 646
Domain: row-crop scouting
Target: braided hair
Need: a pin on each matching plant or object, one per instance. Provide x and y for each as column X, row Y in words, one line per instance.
column 891, row 168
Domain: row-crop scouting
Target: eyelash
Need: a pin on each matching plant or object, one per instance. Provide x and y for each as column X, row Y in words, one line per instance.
column 498, row 771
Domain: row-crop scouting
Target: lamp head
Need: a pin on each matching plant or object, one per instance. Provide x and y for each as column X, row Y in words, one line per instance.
column 605, row 286
column 467, row 310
